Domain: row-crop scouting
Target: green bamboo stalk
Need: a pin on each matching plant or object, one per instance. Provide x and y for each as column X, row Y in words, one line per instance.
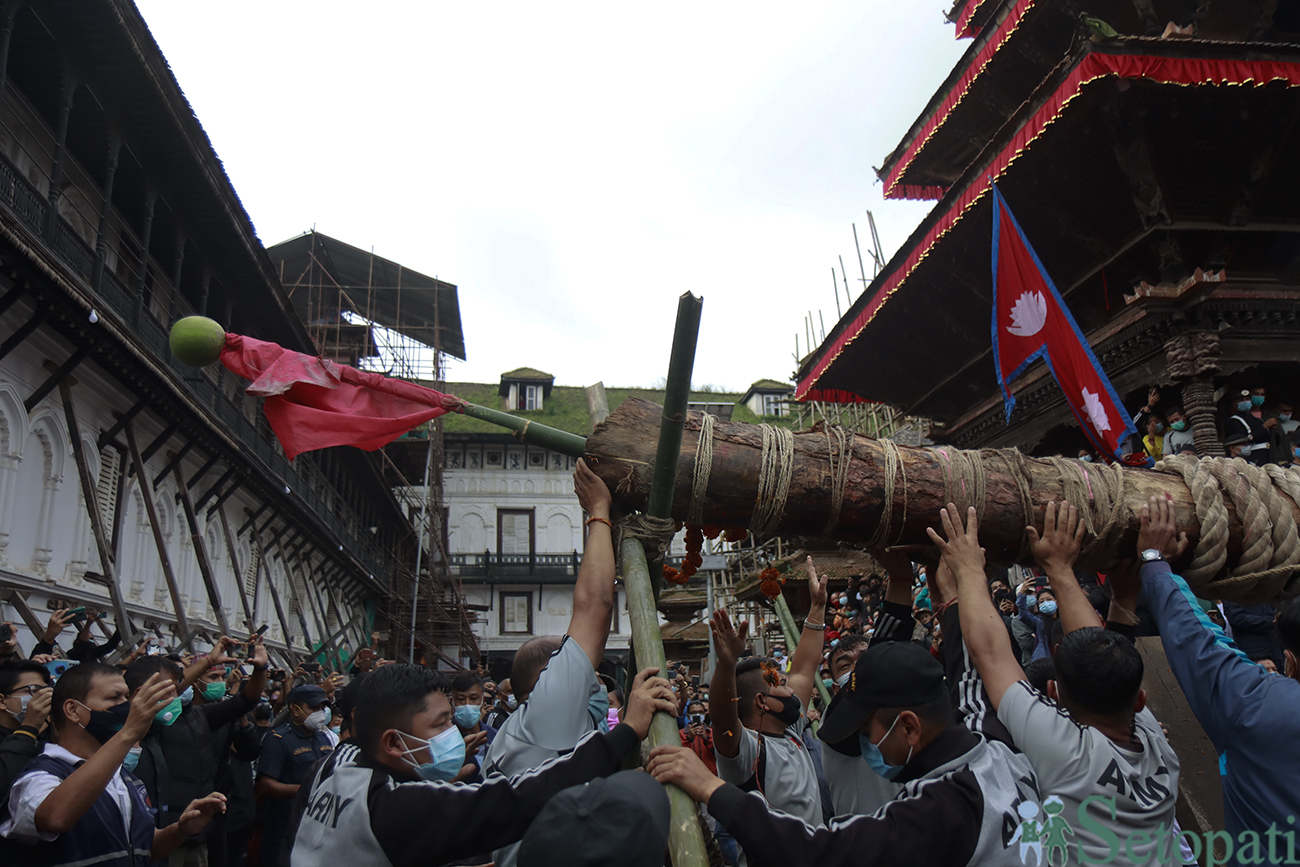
column 677, row 393
column 530, row 431
column 685, row 840
column 791, row 632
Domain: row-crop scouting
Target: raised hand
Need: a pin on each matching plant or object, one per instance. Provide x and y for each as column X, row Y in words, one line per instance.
column 200, row 812
column 593, row 494
column 816, row 587
column 961, row 547
column 1058, row 546
column 152, row 696
column 728, row 642
column 649, row 694
column 57, row 623
column 38, row 708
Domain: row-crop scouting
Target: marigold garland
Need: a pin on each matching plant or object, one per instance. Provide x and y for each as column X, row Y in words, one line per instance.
column 771, row 581
column 694, row 558
column 771, row 673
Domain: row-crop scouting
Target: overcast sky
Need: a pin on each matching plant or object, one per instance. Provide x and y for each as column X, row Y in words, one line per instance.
column 574, row 168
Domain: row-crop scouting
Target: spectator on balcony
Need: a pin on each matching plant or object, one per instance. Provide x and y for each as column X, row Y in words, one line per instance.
column 554, row 677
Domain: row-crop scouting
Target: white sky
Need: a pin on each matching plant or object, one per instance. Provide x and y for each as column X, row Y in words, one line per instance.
column 575, row 167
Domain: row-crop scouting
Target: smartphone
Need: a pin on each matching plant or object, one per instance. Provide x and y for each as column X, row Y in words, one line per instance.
column 261, row 630
column 695, row 681
column 277, row 674
column 153, row 650
column 310, row 666
column 72, row 615
column 6, row 632
column 57, row 667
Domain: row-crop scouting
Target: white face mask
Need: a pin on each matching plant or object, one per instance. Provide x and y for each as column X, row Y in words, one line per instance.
column 511, row 702
column 317, row 720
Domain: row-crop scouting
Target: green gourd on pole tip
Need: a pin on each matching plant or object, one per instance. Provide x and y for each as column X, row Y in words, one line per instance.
column 197, row 340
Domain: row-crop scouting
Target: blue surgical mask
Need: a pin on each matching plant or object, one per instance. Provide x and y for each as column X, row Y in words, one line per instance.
column 1244, row 405
column 23, row 699
column 1257, row 400
column 132, row 759
column 447, row 754
column 467, row 716
column 214, row 691
column 1031, row 598
column 843, row 678
column 1284, row 416
column 512, row 703
column 1048, row 607
column 187, row 696
column 1086, row 459
column 876, row 760
column 598, row 707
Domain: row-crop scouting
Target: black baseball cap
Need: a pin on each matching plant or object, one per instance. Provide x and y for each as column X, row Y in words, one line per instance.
column 890, row 674
column 622, row 820
column 309, row 694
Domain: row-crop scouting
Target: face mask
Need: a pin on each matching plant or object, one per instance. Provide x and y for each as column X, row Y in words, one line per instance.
column 1243, row 405
column 1284, row 416
column 790, row 708
column 447, row 750
column 317, row 720
column 106, row 723
column 876, row 760
column 1159, row 427
column 22, row 707
column 1257, row 400
column 1178, row 425
column 132, row 759
column 827, row 682
column 215, row 691
column 187, row 696
column 170, row 713
column 467, row 716
column 843, row 678
column 511, row 702
column 611, row 719
column 1087, row 459
column 598, row 707
column 1048, row 607
column 1031, row 598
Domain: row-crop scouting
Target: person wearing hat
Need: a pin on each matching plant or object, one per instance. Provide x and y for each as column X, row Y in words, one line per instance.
column 387, row 799
column 288, row 753
column 623, row 820
column 959, row 790
column 1245, row 434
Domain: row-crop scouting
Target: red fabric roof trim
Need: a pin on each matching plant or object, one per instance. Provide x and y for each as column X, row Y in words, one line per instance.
column 950, row 102
column 834, row 395
column 964, row 28
column 1165, row 70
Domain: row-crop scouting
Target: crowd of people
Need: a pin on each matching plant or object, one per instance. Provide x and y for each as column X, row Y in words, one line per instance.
column 976, row 719
column 1250, row 425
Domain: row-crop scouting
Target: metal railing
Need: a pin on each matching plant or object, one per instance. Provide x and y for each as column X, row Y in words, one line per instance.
column 507, row 566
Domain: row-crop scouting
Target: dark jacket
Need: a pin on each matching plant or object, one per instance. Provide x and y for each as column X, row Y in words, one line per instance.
column 1255, row 631
column 18, row 747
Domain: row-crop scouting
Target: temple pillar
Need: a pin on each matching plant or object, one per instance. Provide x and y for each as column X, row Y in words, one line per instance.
column 1192, row 361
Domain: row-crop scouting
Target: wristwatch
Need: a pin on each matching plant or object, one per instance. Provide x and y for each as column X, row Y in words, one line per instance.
column 1150, row 555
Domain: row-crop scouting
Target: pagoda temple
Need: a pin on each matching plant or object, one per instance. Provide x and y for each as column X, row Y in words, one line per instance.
column 1149, row 149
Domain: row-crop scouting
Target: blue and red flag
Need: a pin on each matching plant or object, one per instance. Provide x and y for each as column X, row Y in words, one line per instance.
column 1031, row 321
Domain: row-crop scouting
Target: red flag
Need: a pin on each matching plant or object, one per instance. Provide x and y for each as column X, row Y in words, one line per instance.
column 1031, row 321
column 312, row 403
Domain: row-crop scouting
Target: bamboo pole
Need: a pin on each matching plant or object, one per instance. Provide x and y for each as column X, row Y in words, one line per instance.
column 677, row 392
column 160, row 541
column 526, row 430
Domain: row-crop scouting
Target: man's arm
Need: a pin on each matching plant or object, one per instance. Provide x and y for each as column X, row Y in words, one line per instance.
column 982, row 629
column 1217, row 678
column 729, row 644
column 593, row 593
column 216, row 656
column 1055, row 551
column 895, row 622
column 269, row 768
column 199, row 812
column 808, row 655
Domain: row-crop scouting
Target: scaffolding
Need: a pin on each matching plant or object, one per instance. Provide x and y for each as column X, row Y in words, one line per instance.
column 374, row 314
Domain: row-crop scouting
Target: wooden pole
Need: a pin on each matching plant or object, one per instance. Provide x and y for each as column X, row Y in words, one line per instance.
column 265, row 571
column 160, row 542
column 201, row 551
column 90, row 494
column 233, row 553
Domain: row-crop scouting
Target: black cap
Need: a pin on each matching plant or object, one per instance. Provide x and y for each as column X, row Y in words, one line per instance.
column 620, row 820
column 892, row 674
column 309, row 694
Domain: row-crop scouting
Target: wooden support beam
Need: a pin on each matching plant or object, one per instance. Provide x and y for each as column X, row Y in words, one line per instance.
column 90, row 494
column 24, row 331
column 174, row 460
column 123, row 420
column 160, row 441
column 160, row 542
column 225, row 495
column 252, row 519
column 10, row 298
column 55, row 378
column 295, row 573
column 19, row 602
column 214, row 487
column 202, row 471
column 201, row 551
column 264, row 571
column 233, row 553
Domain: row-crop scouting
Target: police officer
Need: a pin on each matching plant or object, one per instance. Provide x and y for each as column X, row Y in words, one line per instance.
column 287, row 755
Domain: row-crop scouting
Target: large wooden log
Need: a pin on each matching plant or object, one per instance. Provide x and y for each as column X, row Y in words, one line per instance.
column 621, row 451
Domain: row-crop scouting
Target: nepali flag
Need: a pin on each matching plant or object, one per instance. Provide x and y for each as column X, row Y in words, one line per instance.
column 1031, row 321
column 313, row 403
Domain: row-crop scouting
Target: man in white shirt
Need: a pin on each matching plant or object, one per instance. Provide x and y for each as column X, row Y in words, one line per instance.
column 76, row 803
column 1107, row 775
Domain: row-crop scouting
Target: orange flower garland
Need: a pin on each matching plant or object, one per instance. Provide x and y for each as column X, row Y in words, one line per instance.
column 771, row 673
column 694, row 559
column 771, row 582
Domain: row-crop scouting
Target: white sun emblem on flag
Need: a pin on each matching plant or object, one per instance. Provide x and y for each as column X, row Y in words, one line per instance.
column 1028, row 314
column 1096, row 411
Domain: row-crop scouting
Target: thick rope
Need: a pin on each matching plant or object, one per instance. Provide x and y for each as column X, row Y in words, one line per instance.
column 893, row 464
column 703, row 467
column 655, row 534
column 1013, row 462
column 776, row 469
column 839, row 470
column 1270, row 544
